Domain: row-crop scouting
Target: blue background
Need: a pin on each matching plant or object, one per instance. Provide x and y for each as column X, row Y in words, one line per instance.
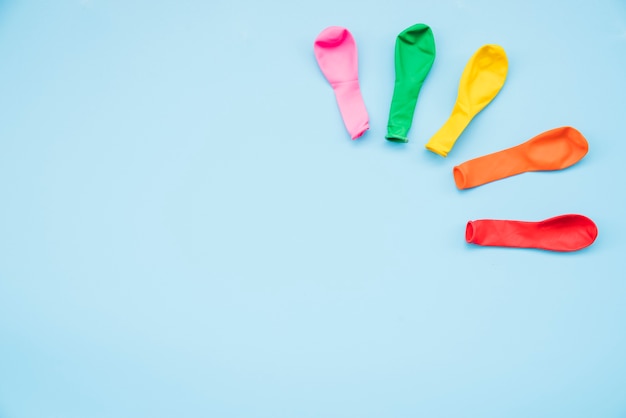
column 186, row 228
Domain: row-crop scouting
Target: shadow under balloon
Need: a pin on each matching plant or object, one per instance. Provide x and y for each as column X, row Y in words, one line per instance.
column 492, row 249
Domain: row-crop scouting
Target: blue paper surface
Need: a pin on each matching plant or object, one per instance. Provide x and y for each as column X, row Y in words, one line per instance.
column 186, row 228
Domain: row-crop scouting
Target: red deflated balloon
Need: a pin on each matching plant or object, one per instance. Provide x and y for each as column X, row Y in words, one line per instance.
column 561, row 233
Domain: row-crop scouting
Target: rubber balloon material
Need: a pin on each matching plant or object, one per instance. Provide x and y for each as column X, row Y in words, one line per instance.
column 336, row 54
column 561, row 233
column 555, row 149
column 414, row 57
column 482, row 79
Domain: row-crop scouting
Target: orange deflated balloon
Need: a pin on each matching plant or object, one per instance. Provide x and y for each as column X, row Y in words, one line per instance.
column 555, row 149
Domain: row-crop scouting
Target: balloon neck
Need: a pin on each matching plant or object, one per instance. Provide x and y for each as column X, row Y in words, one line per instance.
column 442, row 142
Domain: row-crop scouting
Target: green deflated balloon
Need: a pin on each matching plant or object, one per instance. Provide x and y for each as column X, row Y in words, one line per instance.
column 415, row 54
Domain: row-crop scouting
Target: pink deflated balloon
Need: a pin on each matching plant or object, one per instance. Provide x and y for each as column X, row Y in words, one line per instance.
column 336, row 54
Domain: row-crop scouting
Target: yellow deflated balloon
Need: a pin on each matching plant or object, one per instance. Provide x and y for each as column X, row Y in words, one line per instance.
column 482, row 79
